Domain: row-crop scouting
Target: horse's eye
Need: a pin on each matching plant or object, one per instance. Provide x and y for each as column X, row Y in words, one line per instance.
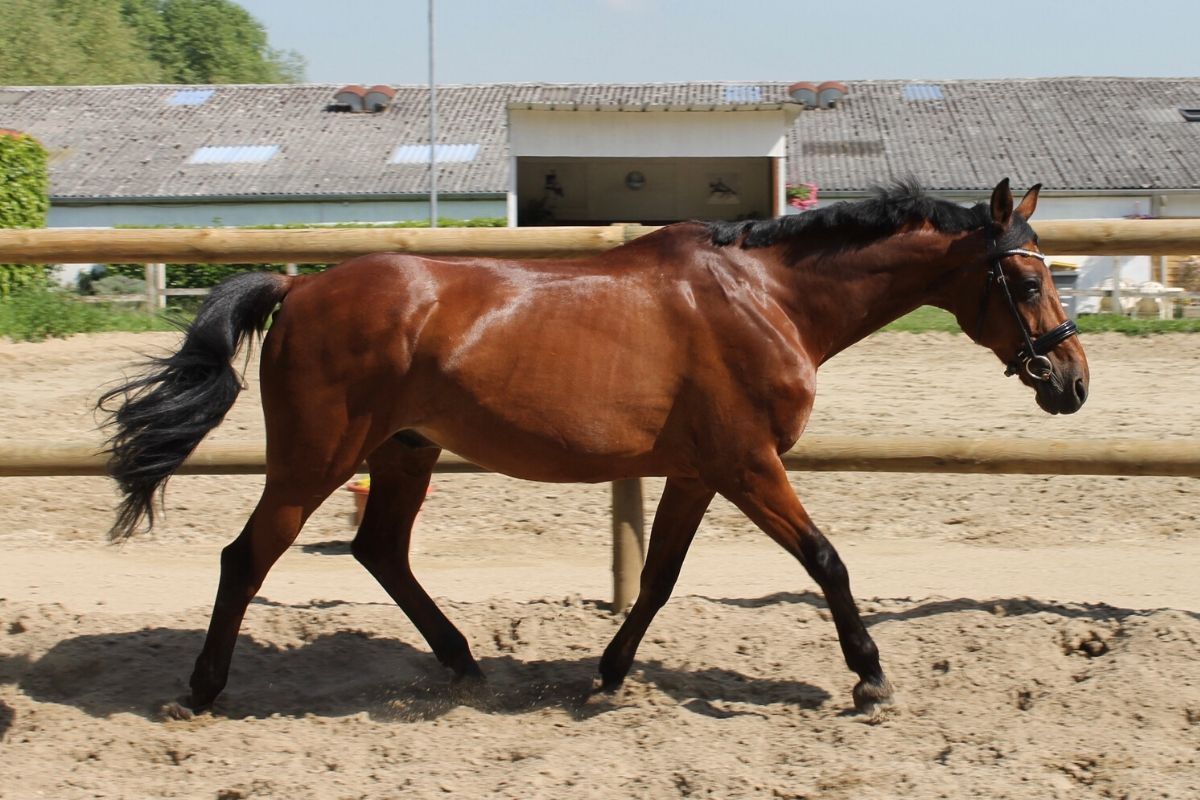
column 1030, row 289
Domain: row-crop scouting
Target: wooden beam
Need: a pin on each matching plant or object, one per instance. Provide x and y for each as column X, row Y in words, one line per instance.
column 331, row 245
column 1119, row 237
column 1178, row 458
column 304, row 245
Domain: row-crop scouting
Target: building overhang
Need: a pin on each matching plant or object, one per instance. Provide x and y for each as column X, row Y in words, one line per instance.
column 580, row 130
column 792, row 110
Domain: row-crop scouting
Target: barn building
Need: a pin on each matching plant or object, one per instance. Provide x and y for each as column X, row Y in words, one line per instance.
column 594, row 154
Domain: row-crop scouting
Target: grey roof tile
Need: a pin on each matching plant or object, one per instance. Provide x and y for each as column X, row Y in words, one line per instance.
column 1091, row 134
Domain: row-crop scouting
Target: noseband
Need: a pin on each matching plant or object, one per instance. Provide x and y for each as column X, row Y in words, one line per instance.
column 1032, row 357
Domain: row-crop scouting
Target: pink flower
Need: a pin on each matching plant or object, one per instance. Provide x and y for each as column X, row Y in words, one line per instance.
column 802, row 195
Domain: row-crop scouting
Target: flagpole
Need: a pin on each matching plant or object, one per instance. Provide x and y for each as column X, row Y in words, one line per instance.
column 433, row 187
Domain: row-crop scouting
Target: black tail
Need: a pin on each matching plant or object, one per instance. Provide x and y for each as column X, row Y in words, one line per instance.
column 163, row 414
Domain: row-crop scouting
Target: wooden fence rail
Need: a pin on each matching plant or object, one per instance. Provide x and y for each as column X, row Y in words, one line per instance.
column 1136, row 457
column 327, row 245
column 815, row 453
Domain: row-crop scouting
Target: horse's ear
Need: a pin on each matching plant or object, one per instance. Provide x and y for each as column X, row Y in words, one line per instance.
column 1029, row 201
column 1002, row 204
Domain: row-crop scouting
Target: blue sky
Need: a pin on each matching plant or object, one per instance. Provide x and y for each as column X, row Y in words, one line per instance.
column 619, row 41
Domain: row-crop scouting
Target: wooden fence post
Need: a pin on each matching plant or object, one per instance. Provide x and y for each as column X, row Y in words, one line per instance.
column 151, row 301
column 156, row 287
column 628, row 541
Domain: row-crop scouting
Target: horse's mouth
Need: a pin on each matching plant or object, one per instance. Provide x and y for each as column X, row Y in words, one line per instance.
column 1061, row 396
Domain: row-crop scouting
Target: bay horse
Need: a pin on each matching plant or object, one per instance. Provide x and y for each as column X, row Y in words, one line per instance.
column 690, row 353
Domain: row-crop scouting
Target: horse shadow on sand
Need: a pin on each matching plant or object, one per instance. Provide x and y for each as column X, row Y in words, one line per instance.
column 1004, row 607
column 353, row 672
column 7, row 716
column 11, row 667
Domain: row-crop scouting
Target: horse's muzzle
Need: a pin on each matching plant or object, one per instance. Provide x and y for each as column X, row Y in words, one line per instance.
column 1064, row 392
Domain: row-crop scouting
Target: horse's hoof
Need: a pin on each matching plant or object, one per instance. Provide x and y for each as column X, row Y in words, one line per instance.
column 469, row 686
column 873, row 698
column 178, row 710
column 609, row 686
column 602, row 695
column 466, row 670
column 470, row 675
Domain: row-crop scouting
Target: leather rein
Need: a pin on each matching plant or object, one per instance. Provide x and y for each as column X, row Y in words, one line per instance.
column 1032, row 355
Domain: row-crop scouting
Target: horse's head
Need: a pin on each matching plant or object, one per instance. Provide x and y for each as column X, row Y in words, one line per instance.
column 1017, row 313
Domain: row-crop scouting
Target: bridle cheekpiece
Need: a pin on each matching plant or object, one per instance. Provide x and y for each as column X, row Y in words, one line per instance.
column 1032, row 355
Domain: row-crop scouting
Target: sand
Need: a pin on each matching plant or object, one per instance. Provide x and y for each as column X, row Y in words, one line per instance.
column 1043, row 633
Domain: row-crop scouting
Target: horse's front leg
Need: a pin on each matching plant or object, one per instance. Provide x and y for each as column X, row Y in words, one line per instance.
column 762, row 491
column 679, row 513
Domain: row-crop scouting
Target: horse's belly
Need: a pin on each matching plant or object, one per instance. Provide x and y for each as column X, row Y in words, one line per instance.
column 554, row 443
column 549, row 461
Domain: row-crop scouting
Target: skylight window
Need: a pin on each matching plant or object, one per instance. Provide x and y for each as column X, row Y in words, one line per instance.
column 234, row 154
column 446, row 153
column 190, row 97
column 923, row 91
column 1190, row 114
column 743, row 94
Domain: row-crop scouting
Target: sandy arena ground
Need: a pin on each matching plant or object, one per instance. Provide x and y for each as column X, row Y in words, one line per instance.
column 1043, row 632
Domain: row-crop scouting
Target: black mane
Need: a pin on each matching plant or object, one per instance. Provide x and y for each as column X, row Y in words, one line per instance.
column 903, row 202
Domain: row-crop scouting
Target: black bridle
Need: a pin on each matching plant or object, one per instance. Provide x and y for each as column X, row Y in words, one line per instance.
column 1032, row 356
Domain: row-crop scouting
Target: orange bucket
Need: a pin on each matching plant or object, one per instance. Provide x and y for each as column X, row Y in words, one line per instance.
column 361, row 489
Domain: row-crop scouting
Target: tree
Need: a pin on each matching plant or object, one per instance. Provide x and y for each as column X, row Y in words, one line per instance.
column 137, row 41
column 70, row 41
column 109, row 49
column 210, row 41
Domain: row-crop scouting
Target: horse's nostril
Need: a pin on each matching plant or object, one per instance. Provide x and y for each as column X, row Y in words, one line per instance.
column 1080, row 390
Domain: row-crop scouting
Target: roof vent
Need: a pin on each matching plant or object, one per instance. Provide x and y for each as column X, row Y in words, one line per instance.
column 1190, row 114
column 356, row 99
column 804, row 93
column 349, row 98
column 830, row 93
column 378, row 97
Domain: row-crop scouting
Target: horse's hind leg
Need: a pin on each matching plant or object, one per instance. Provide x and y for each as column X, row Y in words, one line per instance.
column 679, row 513
column 762, row 491
column 310, row 457
column 400, row 470
column 271, row 529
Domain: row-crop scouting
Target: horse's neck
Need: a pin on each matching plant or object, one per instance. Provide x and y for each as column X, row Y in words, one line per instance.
column 871, row 287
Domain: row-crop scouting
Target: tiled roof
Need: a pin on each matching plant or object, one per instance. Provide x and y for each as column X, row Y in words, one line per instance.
column 1090, row 134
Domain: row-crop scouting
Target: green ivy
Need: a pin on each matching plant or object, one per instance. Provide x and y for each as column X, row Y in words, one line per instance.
column 201, row 276
column 24, row 201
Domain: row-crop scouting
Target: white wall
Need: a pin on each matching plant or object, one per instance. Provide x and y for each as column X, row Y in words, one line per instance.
column 647, row 134
column 1091, row 207
column 1179, row 205
column 268, row 213
column 264, row 213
